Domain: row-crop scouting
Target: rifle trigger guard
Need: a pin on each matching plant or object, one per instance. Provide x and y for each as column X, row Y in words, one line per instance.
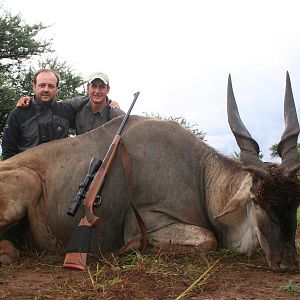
column 97, row 201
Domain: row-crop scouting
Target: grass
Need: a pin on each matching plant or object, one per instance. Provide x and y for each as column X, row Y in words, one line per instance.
column 291, row 287
column 201, row 279
column 95, row 276
column 161, row 267
column 160, row 264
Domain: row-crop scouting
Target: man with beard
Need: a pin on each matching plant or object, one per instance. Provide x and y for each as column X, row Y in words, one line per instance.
column 40, row 122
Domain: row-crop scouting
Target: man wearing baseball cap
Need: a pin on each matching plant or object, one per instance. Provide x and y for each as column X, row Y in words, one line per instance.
column 98, row 75
column 94, row 110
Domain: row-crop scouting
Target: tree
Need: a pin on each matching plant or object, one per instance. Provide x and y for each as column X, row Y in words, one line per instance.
column 19, row 41
column 19, row 45
column 237, row 155
column 193, row 127
column 274, row 152
column 71, row 84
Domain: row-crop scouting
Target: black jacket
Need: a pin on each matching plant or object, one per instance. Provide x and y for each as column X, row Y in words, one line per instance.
column 39, row 123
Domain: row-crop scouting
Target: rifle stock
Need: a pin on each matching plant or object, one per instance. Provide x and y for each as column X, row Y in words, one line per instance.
column 79, row 244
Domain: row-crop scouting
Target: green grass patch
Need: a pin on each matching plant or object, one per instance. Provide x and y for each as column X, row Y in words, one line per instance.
column 291, row 287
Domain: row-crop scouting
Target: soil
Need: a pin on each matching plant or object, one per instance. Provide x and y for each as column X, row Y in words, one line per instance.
column 221, row 275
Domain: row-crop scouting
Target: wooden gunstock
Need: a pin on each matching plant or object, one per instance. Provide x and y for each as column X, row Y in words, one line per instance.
column 78, row 247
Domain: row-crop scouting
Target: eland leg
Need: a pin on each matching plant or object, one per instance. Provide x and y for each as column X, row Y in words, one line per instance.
column 176, row 237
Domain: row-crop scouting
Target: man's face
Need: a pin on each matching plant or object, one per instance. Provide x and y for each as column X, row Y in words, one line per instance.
column 45, row 88
column 98, row 91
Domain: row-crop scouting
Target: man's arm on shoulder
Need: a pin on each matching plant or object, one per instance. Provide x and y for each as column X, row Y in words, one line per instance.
column 76, row 103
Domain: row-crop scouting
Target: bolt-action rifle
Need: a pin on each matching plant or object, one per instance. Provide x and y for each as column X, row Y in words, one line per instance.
column 79, row 244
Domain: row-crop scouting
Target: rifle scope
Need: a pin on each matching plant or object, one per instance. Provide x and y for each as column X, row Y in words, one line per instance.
column 94, row 166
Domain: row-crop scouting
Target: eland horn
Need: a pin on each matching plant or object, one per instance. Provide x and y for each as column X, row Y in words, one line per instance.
column 287, row 147
column 248, row 146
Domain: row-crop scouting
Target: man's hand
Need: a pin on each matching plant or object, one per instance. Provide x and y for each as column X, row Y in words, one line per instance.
column 23, row 102
column 114, row 104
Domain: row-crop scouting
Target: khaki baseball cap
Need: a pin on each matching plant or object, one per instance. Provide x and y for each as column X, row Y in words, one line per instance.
column 98, row 75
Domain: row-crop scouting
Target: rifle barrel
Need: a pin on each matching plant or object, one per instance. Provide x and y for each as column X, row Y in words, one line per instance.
column 128, row 113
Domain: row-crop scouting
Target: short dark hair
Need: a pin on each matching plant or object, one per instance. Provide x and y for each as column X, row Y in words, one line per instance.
column 47, row 71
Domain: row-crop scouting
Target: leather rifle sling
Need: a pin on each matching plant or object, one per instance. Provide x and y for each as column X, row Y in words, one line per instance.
column 126, row 161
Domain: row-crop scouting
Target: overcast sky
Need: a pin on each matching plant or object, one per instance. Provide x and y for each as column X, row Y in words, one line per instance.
column 178, row 54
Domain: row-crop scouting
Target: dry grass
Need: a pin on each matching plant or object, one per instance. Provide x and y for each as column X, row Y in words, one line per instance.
column 218, row 275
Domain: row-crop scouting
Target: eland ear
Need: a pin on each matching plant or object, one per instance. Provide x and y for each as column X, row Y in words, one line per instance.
column 239, row 199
